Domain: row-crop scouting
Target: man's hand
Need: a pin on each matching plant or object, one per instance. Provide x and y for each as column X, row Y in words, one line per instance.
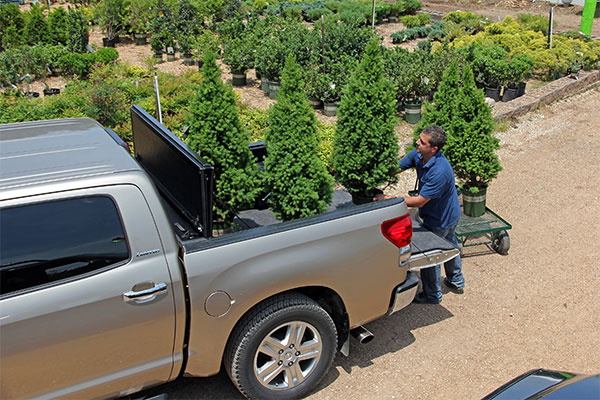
column 382, row 196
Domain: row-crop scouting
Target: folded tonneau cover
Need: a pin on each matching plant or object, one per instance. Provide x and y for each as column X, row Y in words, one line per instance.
column 429, row 249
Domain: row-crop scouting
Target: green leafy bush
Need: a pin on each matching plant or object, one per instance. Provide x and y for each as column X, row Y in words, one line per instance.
column 296, row 177
column 365, row 147
column 58, row 26
column 413, row 21
column 433, row 31
column 78, row 36
column 36, row 28
column 12, row 23
column 538, row 23
column 218, row 136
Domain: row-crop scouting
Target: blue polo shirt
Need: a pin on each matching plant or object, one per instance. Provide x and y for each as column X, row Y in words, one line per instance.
column 436, row 182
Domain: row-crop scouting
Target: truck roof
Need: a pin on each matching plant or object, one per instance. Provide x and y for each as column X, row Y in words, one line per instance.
column 56, row 150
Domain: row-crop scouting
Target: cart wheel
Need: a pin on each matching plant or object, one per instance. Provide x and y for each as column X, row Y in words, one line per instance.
column 501, row 243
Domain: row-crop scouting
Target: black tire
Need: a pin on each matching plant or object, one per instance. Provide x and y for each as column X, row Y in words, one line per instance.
column 502, row 243
column 273, row 321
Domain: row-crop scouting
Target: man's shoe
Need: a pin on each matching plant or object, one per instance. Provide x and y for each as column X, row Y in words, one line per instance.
column 453, row 287
column 420, row 298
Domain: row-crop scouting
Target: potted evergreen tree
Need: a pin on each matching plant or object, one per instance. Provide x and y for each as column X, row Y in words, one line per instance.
column 297, row 178
column 365, row 148
column 220, row 139
column 460, row 109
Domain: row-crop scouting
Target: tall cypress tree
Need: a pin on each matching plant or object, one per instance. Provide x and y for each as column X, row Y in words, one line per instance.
column 297, row 178
column 218, row 136
column 365, row 147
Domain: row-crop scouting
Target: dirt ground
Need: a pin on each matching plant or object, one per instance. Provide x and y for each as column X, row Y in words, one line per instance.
column 537, row 307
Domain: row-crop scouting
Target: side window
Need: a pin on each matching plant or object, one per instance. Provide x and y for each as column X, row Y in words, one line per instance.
column 47, row 242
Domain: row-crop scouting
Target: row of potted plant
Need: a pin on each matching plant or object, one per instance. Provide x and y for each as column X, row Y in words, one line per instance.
column 34, row 27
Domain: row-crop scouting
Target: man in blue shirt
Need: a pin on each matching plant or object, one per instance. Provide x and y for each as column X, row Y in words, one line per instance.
column 438, row 208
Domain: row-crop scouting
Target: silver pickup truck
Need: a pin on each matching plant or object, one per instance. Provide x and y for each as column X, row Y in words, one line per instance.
column 111, row 282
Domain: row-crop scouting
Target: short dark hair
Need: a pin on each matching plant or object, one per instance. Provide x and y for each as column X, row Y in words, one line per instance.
column 437, row 136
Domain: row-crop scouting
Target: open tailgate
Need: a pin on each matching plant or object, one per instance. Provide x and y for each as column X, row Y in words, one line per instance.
column 428, row 249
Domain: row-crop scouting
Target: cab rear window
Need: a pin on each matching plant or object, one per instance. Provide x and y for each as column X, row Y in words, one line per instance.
column 53, row 241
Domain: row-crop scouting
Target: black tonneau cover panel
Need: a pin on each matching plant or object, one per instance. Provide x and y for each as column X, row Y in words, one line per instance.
column 181, row 176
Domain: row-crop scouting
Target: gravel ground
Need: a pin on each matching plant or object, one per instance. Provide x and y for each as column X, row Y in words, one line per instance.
column 536, row 307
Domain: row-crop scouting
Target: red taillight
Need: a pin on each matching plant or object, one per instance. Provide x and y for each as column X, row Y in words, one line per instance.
column 398, row 230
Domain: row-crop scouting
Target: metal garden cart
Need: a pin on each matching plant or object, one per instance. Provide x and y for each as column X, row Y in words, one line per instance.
column 489, row 228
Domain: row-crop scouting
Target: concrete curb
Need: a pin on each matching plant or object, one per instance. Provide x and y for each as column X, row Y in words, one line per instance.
column 555, row 90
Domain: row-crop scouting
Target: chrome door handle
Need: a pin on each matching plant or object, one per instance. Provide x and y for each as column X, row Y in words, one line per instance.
column 145, row 295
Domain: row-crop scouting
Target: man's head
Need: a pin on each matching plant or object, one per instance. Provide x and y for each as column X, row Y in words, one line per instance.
column 431, row 140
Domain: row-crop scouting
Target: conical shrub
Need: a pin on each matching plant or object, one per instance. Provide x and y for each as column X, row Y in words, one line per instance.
column 296, row 177
column 220, row 139
column 365, row 148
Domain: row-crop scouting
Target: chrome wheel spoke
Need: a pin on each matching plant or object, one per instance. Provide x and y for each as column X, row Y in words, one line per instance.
column 294, row 375
column 270, row 347
column 269, row 371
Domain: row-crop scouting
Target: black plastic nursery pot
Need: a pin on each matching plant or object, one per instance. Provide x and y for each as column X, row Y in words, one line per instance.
column 510, row 94
column 493, row 93
column 51, row 91
column 106, row 42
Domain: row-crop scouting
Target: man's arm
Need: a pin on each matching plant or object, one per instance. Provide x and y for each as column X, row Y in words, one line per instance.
column 411, row 201
column 416, row 201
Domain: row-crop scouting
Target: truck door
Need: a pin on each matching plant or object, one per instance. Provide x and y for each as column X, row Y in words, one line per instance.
column 86, row 303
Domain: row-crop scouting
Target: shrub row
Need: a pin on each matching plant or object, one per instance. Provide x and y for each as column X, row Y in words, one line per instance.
column 434, row 31
column 60, row 27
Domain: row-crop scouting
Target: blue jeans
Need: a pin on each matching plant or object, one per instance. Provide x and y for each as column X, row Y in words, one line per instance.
column 431, row 277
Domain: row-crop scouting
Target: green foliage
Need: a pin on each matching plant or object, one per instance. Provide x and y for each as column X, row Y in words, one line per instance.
column 566, row 52
column 413, row 73
column 238, row 54
column 255, row 120
column 187, row 25
column 36, row 61
column 207, row 40
column 433, row 31
column 76, row 64
column 460, row 109
column 315, row 14
column 78, row 38
column 218, row 136
column 12, row 23
column 163, row 25
column 412, row 21
column 538, row 23
column 58, row 26
column 112, row 16
column 365, row 148
column 282, row 38
column 36, row 27
column 296, row 177
column 518, row 69
column 138, row 16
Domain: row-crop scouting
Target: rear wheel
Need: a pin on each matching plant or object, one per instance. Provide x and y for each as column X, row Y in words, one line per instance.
column 282, row 348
